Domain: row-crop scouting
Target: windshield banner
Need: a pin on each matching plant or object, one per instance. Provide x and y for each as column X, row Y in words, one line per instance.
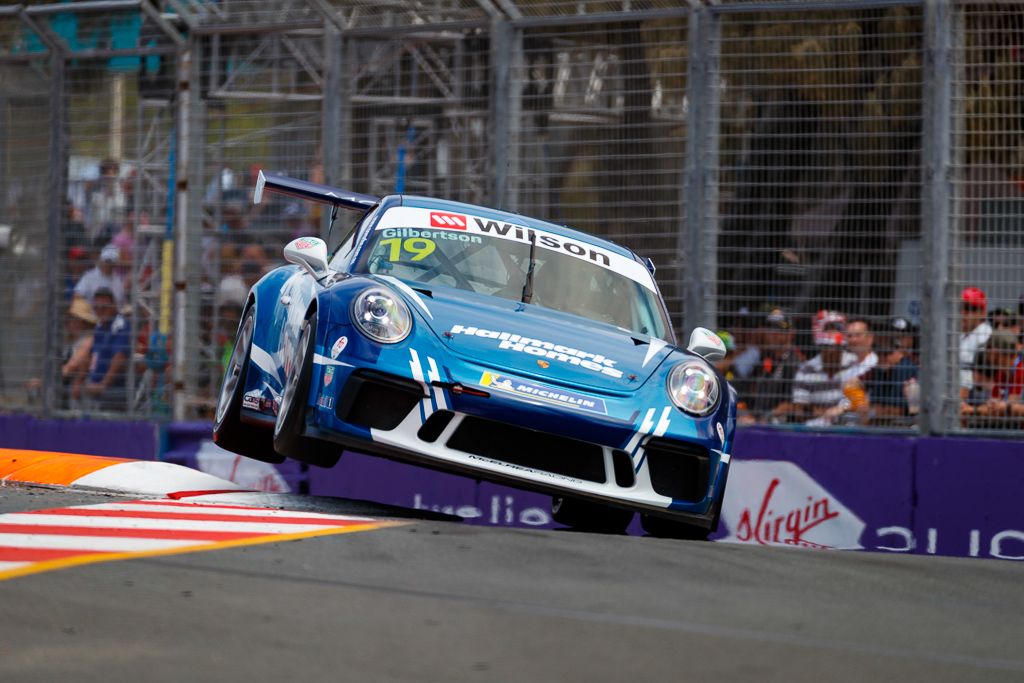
column 427, row 223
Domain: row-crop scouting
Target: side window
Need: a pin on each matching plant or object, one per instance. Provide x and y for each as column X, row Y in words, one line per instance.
column 347, row 242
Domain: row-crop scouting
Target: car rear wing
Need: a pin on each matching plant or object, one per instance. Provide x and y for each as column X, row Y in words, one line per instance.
column 302, row 189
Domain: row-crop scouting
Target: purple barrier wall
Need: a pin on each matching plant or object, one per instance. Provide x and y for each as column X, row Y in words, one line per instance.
column 969, row 498
column 384, row 481
column 944, row 496
column 119, row 439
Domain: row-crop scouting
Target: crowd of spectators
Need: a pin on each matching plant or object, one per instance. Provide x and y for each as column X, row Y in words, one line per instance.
column 830, row 370
column 861, row 372
column 109, row 326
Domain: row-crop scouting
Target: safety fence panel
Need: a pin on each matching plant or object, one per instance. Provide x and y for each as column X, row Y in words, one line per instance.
column 819, row 225
column 985, row 303
column 87, row 139
column 415, row 114
column 775, row 161
column 260, row 106
column 25, row 250
column 599, row 134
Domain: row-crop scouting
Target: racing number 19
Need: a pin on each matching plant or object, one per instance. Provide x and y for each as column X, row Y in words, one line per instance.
column 419, row 247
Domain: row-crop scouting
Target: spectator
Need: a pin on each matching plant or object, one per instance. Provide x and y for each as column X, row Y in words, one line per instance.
column 890, row 381
column 975, row 332
column 106, row 203
column 252, row 264
column 80, row 322
column 818, row 397
column 1002, row 358
column 771, row 382
column 78, row 350
column 77, row 265
column 111, row 346
column 1004, row 319
column 861, row 342
column 102, row 277
column 231, row 296
column 724, row 364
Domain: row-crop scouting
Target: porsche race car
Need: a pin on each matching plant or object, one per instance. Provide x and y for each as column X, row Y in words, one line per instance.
column 483, row 343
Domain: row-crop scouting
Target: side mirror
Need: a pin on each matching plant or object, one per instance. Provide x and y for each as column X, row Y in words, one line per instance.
column 310, row 253
column 706, row 344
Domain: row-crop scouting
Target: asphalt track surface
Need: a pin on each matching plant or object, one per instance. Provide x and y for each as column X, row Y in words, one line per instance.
column 444, row 601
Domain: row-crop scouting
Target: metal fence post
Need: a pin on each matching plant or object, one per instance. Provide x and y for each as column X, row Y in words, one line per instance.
column 330, row 142
column 499, row 114
column 696, row 250
column 56, row 174
column 189, row 226
column 936, row 344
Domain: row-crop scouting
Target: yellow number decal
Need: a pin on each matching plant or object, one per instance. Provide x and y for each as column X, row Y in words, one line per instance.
column 412, row 245
column 419, row 247
column 395, row 251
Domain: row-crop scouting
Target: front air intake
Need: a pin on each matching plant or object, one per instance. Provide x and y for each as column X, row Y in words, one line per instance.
column 528, row 448
column 376, row 400
column 678, row 469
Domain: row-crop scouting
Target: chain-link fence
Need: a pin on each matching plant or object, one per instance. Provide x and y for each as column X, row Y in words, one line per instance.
column 835, row 186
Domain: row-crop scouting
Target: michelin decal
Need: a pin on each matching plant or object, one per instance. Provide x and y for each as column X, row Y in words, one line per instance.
column 539, row 392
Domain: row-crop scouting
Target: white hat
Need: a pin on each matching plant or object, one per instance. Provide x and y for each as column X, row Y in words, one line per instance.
column 110, row 254
column 232, row 291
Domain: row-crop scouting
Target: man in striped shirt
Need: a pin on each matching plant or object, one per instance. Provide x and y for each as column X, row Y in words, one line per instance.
column 818, row 398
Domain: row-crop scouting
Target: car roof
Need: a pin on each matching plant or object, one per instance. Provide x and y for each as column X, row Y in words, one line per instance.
column 518, row 219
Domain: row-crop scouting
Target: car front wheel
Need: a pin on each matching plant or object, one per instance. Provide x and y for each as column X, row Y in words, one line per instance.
column 228, row 430
column 291, row 418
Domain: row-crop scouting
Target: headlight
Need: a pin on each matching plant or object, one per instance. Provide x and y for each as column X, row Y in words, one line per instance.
column 381, row 315
column 692, row 386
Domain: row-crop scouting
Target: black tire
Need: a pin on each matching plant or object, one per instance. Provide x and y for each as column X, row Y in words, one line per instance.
column 291, row 418
column 228, row 431
column 584, row 515
column 669, row 528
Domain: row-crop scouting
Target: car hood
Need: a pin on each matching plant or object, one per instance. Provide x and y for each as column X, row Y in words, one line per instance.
column 531, row 341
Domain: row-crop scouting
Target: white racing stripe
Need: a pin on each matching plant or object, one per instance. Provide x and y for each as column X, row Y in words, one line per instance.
column 42, row 520
column 324, row 360
column 187, row 508
column 91, row 543
column 5, row 566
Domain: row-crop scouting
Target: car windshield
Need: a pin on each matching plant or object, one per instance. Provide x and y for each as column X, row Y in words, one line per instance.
column 579, row 284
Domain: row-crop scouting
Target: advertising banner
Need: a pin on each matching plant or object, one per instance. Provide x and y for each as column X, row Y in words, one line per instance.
column 938, row 496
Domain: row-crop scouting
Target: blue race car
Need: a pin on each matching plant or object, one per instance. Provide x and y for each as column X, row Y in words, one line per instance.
column 487, row 344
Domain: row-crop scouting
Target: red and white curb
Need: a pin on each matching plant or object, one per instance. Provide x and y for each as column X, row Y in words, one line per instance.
column 197, row 512
column 42, row 540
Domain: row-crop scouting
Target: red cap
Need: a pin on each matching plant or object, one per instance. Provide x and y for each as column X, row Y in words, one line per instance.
column 76, row 253
column 974, row 297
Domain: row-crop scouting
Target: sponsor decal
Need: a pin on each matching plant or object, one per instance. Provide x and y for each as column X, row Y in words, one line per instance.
column 339, row 346
column 269, row 405
column 721, row 432
column 447, row 220
column 528, row 470
column 325, row 401
column 537, row 347
column 328, row 375
column 306, row 243
column 404, row 221
column 777, row 503
column 539, row 392
column 413, row 233
column 251, row 401
column 544, row 364
column 506, row 510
